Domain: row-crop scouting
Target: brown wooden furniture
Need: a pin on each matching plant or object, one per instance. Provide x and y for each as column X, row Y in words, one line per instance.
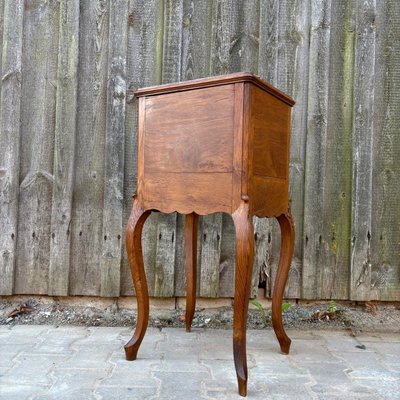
column 214, row 145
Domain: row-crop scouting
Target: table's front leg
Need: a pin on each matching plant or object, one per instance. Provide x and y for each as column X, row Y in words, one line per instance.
column 244, row 265
column 191, row 226
column 134, row 249
column 285, row 258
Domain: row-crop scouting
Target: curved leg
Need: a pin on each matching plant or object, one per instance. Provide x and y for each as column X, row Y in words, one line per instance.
column 244, row 266
column 134, row 249
column 285, row 258
column 191, row 224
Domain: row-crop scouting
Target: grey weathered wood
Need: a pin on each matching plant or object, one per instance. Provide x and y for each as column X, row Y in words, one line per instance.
column 268, row 70
column 292, row 78
column 210, row 256
column 60, row 65
column 363, row 129
column 114, row 150
column 64, row 147
column 316, row 247
column 212, row 267
column 334, row 276
column 144, row 63
column 244, row 50
column 1, row 31
column 10, row 112
column 385, row 235
column 196, row 42
column 164, row 283
column 87, row 211
column 38, row 103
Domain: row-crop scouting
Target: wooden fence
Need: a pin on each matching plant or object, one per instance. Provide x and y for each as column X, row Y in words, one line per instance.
column 68, row 141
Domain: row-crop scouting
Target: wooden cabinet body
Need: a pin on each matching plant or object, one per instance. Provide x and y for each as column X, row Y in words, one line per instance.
column 214, row 145
column 204, row 145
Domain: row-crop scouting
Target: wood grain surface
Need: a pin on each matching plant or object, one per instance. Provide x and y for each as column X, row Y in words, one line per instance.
column 337, row 59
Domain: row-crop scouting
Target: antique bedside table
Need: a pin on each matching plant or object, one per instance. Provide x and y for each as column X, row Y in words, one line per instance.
column 212, row 145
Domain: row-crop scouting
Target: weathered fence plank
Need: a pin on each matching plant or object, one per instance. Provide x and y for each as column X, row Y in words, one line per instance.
column 196, row 41
column 334, row 280
column 114, row 150
column 10, row 114
column 268, row 70
column 292, row 78
column 363, row 128
column 38, row 103
column 64, row 147
column 164, row 282
column 385, row 235
column 1, row 32
column 87, row 216
column 211, row 225
column 315, row 246
column 144, row 63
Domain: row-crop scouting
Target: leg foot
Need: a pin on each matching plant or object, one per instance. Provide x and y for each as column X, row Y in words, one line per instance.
column 191, row 225
column 244, row 266
column 285, row 258
column 134, row 249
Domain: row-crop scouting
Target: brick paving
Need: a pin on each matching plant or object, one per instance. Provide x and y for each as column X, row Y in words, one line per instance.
column 45, row 363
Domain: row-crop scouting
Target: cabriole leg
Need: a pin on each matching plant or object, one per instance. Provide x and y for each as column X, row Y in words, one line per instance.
column 244, row 265
column 134, row 249
column 285, row 258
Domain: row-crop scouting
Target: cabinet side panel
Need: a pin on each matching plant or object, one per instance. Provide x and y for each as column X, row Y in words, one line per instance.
column 190, row 131
column 269, row 149
column 271, row 196
column 271, row 128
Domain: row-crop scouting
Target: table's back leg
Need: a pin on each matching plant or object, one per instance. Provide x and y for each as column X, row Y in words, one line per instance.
column 244, row 266
column 134, row 249
column 191, row 226
column 285, row 258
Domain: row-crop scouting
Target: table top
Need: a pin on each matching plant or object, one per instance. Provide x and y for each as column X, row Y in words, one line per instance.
column 215, row 81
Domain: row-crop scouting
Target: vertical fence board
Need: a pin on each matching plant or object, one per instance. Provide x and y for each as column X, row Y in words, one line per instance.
column 87, row 215
column 1, row 32
column 385, row 235
column 267, row 69
column 243, row 56
column 114, row 150
column 196, row 37
column 38, row 103
column 64, row 147
column 315, row 251
column 211, row 225
column 363, row 128
column 292, row 78
column 10, row 113
column 334, row 280
column 220, row 253
column 144, row 63
column 164, row 282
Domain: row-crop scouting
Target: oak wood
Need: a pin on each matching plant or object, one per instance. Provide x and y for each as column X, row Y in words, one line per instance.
column 285, row 258
column 134, row 249
column 191, row 228
column 206, row 146
column 216, row 81
column 168, row 192
column 244, row 265
column 195, row 138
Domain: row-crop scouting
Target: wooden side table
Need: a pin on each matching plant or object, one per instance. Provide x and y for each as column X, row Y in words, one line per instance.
column 212, row 145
